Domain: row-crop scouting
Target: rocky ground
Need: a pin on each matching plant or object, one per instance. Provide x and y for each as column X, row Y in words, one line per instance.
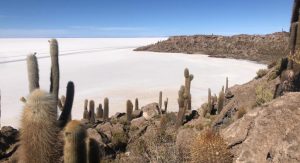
column 260, row 48
column 254, row 126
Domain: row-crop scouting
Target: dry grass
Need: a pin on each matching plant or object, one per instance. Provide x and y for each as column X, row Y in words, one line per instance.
column 263, row 94
column 209, row 147
column 261, row 73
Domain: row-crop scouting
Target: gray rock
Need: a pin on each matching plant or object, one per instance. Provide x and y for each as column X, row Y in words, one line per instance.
column 267, row 134
column 150, row 111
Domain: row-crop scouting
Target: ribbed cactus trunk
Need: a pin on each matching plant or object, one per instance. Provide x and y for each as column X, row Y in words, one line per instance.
column 75, row 143
column 106, row 109
column 66, row 115
column 160, row 102
column 86, row 112
column 54, row 77
column 166, row 105
column 226, row 88
column 99, row 111
column 129, row 110
column 187, row 92
column 221, row 100
column 93, row 151
column 92, row 117
column 182, row 103
column 209, row 102
column 136, row 104
column 33, row 72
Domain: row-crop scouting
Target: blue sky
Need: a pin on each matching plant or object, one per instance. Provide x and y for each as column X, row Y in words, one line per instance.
column 141, row 18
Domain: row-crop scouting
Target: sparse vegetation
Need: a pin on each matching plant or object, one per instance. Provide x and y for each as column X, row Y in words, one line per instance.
column 261, row 73
column 263, row 94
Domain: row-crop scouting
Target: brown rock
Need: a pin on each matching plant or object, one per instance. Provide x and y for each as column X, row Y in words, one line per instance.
column 269, row 133
column 150, row 111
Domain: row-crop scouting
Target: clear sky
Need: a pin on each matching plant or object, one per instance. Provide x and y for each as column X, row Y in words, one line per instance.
column 141, row 18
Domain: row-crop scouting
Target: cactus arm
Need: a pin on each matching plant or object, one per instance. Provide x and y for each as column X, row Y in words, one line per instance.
column 33, row 72
column 54, row 77
column 64, row 117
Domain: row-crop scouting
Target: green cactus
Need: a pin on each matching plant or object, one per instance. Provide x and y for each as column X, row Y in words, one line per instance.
column 166, row 104
column 187, row 93
column 33, row 72
column 106, row 109
column 160, row 102
column 39, row 125
column 209, row 102
column 129, row 110
column 182, row 107
column 75, row 143
column 136, row 104
column 93, row 151
column 92, row 116
column 221, row 100
column 86, row 112
column 54, row 77
column 99, row 111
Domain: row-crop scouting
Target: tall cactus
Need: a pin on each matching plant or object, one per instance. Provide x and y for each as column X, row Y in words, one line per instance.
column 166, row 105
column 99, row 111
column 66, row 115
column 136, row 105
column 221, row 100
column 129, row 110
column 86, row 112
column 160, row 102
column 209, row 102
column 187, row 92
column 182, row 107
column 106, row 109
column 39, row 131
column 226, row 88
column 33, row 72
column 54, row 77
column 92, row 117
column 75, row 146
column 93, row 151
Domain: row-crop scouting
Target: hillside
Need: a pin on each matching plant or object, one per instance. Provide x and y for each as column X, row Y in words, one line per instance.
column 260, row 48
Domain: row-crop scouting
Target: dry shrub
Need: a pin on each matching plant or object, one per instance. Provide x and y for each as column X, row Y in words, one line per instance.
column 209, row 147
column 261, row 73
column 263, row 94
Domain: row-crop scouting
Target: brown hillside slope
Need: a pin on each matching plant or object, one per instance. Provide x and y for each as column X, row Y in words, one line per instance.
column 260, row 48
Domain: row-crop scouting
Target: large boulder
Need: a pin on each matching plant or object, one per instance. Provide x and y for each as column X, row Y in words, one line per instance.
column 150, row 111
column 267, row 134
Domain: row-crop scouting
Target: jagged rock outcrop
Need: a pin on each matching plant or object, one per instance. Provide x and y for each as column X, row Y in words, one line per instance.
column 269, row 133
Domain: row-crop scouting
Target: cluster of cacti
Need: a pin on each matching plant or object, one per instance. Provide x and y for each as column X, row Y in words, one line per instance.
column 209, row 147
column 106, row 109
column 187, row 92
column 129, row 110
column 78, row 148
column 39, row 118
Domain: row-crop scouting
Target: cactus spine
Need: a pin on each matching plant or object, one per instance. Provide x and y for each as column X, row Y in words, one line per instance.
column 85, row 112
column 99, row 111
column 129, row 110
column 106, row 109
column 54, row 77
column 160, row 102
column 75, row 145
column 38, row 124
column 136, row 104
column 92, row 117
column 33, row 72
column 187, row 92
